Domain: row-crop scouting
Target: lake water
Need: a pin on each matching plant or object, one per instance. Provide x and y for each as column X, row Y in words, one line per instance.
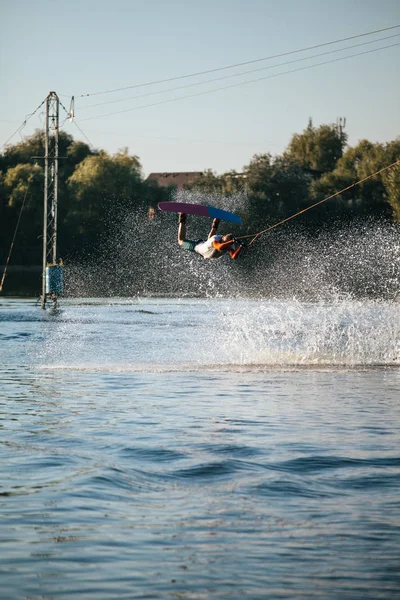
column 169, row 448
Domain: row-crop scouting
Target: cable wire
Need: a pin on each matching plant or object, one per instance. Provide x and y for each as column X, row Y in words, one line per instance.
column 76, row 125
column 257, row 235
column 289, row 62
column 241, row 64
column 238, row 84
column 20, row 128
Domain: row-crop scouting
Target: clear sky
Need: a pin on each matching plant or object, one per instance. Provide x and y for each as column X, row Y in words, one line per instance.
column 89, row 46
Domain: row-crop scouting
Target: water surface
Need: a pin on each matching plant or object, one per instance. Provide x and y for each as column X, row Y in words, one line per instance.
column 167, row 448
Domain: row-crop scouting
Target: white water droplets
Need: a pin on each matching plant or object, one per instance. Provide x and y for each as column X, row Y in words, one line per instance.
column 349, row 333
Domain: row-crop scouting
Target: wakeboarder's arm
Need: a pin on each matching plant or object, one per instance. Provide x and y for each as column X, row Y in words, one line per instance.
column 230, row 246
column 234, row 253
column 223, row 246
column 214, row 228
column 181, row 228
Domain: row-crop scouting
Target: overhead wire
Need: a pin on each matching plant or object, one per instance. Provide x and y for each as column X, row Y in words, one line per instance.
column 84, row 134
column 241, row 64
column 169, row 100
column 75, row 123
column 20, row 128
column 238, row 74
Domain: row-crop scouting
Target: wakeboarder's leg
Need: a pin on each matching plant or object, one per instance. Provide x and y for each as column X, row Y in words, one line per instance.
column 181, row 228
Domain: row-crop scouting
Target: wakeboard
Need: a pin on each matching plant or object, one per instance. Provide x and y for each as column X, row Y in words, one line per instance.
column 201, row 210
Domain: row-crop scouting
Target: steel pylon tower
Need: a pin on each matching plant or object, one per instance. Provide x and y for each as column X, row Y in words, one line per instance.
column 50, row 191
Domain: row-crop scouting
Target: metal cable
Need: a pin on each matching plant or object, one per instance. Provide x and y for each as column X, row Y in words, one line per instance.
column 289, row 62
column 226, row 87
column 241, row 64
column 23, row 124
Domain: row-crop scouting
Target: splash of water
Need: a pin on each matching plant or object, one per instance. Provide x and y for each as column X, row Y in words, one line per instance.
column 325, row 299
column 349, row 333
column 171, row 335
column 142, row 257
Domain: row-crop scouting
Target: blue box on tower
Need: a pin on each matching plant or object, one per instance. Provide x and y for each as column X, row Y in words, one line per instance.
column 54, row 279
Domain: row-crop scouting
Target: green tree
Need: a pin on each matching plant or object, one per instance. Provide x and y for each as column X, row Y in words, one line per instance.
column 208, row 182
column 276, row 187
column 391, row 180
column 32, row 150
column 77, row 152
column 24, row 181
column 375, row 197
column 102, row 184
column 317, row 149
column 18, row 179
column 24, row 152
column 391, row 177
column 227, row 184
column 103, row 175
column 232, row 183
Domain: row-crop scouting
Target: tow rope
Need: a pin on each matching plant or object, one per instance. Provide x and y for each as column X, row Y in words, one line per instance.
column 257, row 235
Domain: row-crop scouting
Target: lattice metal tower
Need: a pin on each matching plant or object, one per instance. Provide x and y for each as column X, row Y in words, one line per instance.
column 50, row 194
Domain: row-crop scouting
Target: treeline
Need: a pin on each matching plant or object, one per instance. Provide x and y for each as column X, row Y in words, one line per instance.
column 96, row 188
column 316, row 164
